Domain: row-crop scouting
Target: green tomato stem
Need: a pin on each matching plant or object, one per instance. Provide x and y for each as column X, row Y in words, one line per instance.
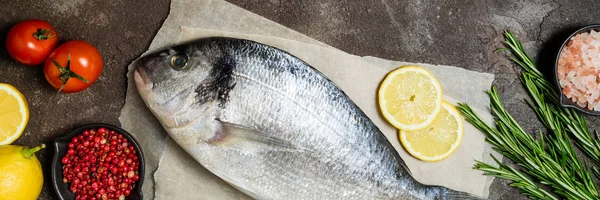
column 28, row 152
column 66, row 73
column 42, row 34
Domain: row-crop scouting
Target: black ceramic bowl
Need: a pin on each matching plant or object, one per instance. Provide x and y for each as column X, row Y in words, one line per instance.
column 60, row 149
column 564, row 100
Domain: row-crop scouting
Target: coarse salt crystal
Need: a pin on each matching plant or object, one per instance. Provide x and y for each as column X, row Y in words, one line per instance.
column 595, row 44
column 571, row 74
column 595, row 34
column 575, row 93
column 581, row 104
column 595, row 94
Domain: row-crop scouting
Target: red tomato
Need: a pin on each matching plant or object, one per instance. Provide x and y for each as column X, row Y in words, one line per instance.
column 29, row 42
column 83, row 70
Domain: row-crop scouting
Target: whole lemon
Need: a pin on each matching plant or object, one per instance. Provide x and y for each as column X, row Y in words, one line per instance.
column 20, row 172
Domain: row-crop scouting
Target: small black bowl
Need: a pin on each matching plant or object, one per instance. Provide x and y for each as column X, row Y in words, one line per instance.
column 564, row 100
column 60, row 147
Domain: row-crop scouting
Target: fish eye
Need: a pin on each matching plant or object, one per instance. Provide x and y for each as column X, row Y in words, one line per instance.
column 179, row 61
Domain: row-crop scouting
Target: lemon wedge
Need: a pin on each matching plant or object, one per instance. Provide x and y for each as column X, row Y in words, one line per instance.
column 14, row 113
column 410, row 98
column 438, row 140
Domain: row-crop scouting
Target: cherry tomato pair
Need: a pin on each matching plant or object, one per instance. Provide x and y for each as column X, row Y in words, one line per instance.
column 72, row 67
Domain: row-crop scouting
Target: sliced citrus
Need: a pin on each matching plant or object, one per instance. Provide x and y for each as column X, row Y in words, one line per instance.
column 410, row 98
column 438, row 140
column 14, row 113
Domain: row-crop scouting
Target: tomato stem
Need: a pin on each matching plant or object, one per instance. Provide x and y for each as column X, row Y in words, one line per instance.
column 28, row 152
column 42, row 34
column 66, row 73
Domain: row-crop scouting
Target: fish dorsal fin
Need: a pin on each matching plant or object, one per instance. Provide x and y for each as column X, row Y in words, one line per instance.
column 399, row 159
column 403, row 165
column 248, row 139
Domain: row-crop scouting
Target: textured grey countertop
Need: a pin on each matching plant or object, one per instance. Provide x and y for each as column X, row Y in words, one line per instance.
column 437, row 32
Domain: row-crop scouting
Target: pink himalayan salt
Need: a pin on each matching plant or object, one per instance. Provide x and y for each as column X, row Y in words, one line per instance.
column 578, row 68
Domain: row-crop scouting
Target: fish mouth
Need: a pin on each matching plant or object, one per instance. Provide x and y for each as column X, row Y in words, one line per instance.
column 143, row 83
column 141, row 79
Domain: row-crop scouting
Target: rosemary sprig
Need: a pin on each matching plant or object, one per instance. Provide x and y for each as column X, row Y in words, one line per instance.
column 509, row 145
column 551, row 160
column 548, row 160
column 520, row 180
column 572, row 120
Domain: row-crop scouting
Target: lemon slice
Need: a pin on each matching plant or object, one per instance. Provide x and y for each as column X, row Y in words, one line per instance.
column 14, row 113
column 438, row 140
column 410, row 98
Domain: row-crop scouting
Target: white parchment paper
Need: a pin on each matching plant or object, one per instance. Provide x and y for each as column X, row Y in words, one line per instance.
column 178, row 176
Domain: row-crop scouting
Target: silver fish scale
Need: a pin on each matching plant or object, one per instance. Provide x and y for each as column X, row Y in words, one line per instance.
column 338, row 152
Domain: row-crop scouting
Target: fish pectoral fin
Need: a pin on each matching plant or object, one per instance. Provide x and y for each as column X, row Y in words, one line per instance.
column 248, row 139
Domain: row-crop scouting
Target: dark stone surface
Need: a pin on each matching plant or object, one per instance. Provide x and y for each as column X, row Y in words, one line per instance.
column 459, row 33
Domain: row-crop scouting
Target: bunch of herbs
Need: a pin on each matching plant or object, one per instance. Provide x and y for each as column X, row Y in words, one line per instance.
column 549, row 160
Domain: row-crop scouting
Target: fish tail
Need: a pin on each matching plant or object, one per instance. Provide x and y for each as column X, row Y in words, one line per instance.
column 452, row 194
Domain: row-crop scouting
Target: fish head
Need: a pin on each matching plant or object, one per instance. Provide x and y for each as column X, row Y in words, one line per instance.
column 167, row 82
